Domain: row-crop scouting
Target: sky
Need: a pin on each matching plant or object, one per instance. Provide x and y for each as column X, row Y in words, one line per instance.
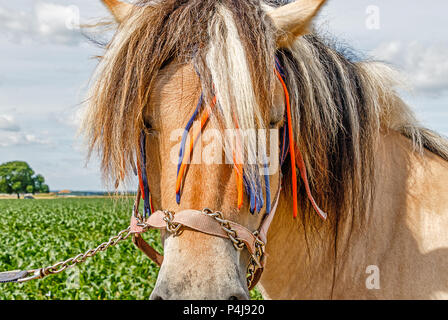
column 46, row 63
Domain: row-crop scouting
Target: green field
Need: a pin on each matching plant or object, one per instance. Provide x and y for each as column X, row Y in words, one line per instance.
column 37, row 233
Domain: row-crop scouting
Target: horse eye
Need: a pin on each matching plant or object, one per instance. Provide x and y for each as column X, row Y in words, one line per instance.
column 147, row 124
column 273, row 124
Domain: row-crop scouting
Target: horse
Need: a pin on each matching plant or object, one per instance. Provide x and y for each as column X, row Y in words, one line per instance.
column 362, row 199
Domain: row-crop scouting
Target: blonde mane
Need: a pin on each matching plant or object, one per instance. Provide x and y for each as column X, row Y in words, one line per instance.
column 339, row 106
column 233, row 64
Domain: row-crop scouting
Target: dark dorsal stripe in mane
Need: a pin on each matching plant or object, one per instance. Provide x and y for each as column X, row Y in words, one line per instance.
column 339, row 106
column 338, row 139
column 351, row 159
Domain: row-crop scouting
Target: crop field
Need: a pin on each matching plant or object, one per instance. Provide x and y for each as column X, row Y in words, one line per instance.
column 38, row 233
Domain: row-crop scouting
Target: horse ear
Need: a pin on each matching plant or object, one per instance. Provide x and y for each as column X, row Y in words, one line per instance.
column 293, row 19
column 119, row 9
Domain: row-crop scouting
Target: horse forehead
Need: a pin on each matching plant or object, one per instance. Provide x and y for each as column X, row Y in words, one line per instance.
column 177, row 79
column 176, row 91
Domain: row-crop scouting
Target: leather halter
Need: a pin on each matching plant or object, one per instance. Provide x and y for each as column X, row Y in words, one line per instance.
column 201, row 222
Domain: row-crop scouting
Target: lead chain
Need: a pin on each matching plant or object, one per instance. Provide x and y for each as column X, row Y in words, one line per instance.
column 81, row 258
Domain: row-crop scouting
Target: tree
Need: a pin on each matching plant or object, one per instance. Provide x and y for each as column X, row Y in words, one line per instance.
column 29, row 189
column 45, row 188
column 18, row 177
column 39, row 183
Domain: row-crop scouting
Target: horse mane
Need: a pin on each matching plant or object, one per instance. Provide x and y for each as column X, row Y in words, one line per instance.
column 340, row 106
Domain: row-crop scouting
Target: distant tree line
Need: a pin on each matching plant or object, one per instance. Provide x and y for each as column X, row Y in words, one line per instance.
column 17, row 177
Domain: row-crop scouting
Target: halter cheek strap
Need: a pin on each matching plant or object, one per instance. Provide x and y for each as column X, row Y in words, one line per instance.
column 143, row 178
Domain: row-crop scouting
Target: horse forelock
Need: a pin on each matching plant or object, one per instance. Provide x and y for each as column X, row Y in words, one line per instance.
column 233, row 64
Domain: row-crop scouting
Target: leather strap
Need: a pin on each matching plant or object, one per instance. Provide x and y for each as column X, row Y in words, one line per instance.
column 263, row 233
column 198, row 221
column 13, row 276
column 256, row 278
column 266, row 224
column 149, row 251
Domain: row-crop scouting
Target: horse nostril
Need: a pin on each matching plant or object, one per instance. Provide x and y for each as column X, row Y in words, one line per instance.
column 239, row 296
column 155, row 296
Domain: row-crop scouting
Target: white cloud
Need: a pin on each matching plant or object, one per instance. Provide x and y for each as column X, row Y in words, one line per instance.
column 12, row 135
column 47, row 22
column 425, row 66
column 9, row 139
column 8, row 123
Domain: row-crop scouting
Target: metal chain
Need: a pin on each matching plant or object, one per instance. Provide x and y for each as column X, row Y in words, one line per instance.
column 171, row 226
column 256, row 259
column 251, row 268
column 81, row 258
column 225, row 225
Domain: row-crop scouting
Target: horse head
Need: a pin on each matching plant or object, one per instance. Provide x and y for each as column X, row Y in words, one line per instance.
column 178, row 72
